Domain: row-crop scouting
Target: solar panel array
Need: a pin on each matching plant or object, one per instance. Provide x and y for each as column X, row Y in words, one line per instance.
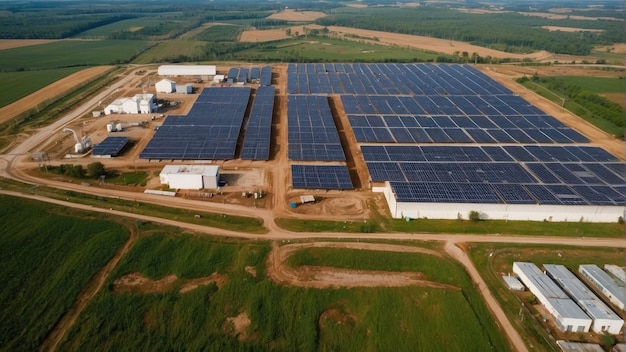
column 256, row 145
column 266, row 76
column 210, row 130
column 312, row 133
column 543, row 161
column 321, row 177
column 110, row 146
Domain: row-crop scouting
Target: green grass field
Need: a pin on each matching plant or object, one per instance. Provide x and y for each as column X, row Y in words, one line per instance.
column 597, row 85
column 47, row 259
column 493, row 260
column 20, row 84
column 167, row 50
column 83, row 53
column 281, row 318
column 488, row 227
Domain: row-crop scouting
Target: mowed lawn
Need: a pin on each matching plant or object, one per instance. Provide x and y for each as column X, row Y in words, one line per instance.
column 17, row 85
column 597, row 85
column 47, row 259
column 275, row 317
column 68, row 53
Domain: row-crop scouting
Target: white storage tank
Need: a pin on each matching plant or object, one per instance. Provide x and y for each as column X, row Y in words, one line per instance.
column 110, row 127
column 119, row 127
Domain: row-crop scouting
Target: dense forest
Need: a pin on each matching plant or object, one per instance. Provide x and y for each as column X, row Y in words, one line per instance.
column 509, row 32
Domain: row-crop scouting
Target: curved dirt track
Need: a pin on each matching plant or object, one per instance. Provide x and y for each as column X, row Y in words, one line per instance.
column 326, row 277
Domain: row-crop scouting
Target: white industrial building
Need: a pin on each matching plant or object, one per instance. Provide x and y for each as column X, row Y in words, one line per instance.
column 190, row 176
column 523, row 212
column 139, row 104
column 567, row 346
column 165, row 86
column 616, row 271
column 604, row 319
column 513, row 283
column 605, row 283
column 568, row 316
column 187, row 70
column 184, row 88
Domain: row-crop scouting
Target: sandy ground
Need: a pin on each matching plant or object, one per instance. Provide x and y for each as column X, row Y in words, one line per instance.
column 385, row 38
column 136, row 282
column 297, row 16
column 17, row 43
column 55, row 89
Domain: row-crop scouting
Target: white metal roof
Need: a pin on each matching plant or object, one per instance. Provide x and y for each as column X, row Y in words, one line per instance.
column 604, row 280
column 618, row 271
column 513, row 282
column 529, row 269
column 187, row 70
column 548, row 287
column 204, row 170
column 567, row 309
column 567, row 346
column 585, row 298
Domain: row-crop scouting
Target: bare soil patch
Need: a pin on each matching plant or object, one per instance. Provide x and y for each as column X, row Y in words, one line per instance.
column 137, row 283
column 297, row 16
column 53, row 90
column 329, row 277
column 239, row 325
column 18, row 43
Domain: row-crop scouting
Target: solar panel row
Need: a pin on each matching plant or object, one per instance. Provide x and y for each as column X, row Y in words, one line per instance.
column 526, row 153
column 391, row 79
column 256, row 145
column 507, row 193
column 321, row 177
column 209, row 131
column 266, row 76
column 312, row 133
column 494, row 172
column 110, row 146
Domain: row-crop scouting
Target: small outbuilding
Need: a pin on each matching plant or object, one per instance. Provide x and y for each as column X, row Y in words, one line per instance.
column 513, row 283
column 190, row 176
column 165, row 86
column 184, row 88
column 139, row 104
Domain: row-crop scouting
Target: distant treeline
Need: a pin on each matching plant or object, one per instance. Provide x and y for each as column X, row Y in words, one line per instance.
column 510, row 32
column 46, row 27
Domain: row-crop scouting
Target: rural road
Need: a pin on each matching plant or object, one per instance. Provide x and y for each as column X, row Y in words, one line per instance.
column 450, row 240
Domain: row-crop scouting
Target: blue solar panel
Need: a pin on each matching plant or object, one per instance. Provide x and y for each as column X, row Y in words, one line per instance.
column 258, row 132
column 321, row 177
column 110, row 146
column 209, row 131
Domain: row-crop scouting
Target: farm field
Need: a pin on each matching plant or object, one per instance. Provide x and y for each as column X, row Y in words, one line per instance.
column 130, row 25
column 23, row 83
column 85, row 53
column 46, row 262
column 238, row 308
column 600, row 85
column 494, row 260
column 321, row 49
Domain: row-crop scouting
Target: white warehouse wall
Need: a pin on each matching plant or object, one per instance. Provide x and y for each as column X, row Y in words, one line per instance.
column 530, row 212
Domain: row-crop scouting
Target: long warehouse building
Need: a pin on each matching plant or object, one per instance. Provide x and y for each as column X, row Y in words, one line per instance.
column 568, row 316
column 605, row 283
column 604, row 319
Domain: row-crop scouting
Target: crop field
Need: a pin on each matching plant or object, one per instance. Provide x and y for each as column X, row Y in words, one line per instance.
column 320, row 49
column 21, row 84
column 84, row 53
column 46, row 262
column 219, row 33
column 494, row 260
column 130, row 25
column 169, row 50
column 244, row 310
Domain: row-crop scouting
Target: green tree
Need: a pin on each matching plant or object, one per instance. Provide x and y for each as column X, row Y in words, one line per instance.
column 96, row 169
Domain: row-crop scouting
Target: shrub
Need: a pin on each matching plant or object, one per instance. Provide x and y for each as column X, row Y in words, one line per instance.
column 474, row 215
